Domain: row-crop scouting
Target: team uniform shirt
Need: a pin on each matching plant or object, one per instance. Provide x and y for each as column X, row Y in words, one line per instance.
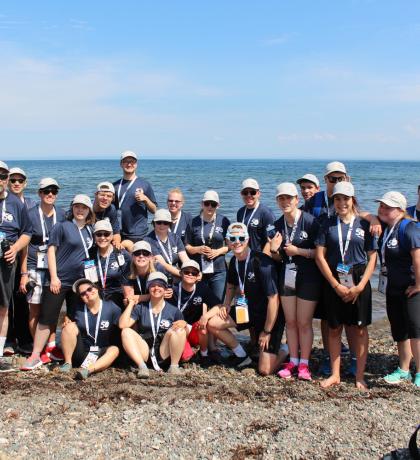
column 169, row 249
column 361, row 242
column 398, row 259
column 182, row 225
column 141, row 315
column 257, row 220
column 133, row 213
column 194, row 238
column 110, row 214
column 14, row 219
column 138, row 283
column 191, row 303
column 260, row 283
column 320, row 205
column 70, row 253
column 29, row 203
column 37, row 235
column 414, row 212
column 110, row 316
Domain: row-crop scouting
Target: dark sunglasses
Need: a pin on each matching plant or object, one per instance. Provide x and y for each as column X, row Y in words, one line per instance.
column 4, row 176
column 235, row 239
column 213, row 204
column 101, row 234
column 334, row 179
column 142, row 252
column 47, row 191
column 249, row 192
column 161, row 222
column 175, row 201
column 19, row 181
column 88, row 290
column 190, row 272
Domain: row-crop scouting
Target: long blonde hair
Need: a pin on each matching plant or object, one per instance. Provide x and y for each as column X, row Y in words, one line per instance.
column 133, row 269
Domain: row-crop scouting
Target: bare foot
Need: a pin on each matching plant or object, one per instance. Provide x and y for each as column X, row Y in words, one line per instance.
column 330, row 381
column 361, row 385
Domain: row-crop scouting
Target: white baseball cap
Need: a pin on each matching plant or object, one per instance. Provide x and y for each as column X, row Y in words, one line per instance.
column 47, row 182
column 286, row 188
column 82, row 199
column 211, row 195
column 103, row 225
column 128, row 153
column 105, row 187
column 190, row 264
column 335, row 166
column 157, row 276
column 309, row 178
column 77, row 283
column 142, row 245
column 235, row 226
column 3, row 165
column 250, row 183
column 394, row 200
column 343, row 188
column 162, row 215
column 18, row 171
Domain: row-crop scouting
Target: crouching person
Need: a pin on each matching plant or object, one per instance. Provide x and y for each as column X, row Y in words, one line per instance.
column 162, row 331
column 86, row 341
column 256, row 303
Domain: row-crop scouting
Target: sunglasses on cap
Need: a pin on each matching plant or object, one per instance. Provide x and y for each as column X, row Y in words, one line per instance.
column 142, row 252
column 251, row 192
column 213, row 204
column 88, row 290
column 103, row 234
column 236, row 239
column 162, row 222
column 47, row 191
column 4, row 176
column 190, row 272
column 334, row 179
column 19, row 181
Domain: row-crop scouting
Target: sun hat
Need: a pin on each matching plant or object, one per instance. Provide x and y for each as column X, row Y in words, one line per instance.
column 127, row 154
column 394, row 200
column 157, row 277
column 250, row 183
column 286, row 188
column 47, row 182
column 105, row 187
column 211, row 195
column 335, row 166
column 18, row 171
column 3, row 165
column 343, row 188
column 142, row 245
column 77, row 283
column 309, row 178
column 190, row 264
column 103, row 225
column 162, row 215
column 82, row 199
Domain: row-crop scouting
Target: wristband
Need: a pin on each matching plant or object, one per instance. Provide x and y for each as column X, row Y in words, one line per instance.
column 267, row 332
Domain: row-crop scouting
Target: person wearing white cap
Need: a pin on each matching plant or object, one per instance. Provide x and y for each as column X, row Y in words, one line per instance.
column 17, row 184
column 255, row 215
column 181, row 220
column 68, row 260
column 346, row 256
column 414, row 211
column 162, row 331
column 167, row 247
column 292, row 246
column 34, row 267
column 105, row 209
column 399, row 280
column 134, row 199
column 309, row 185
column 205, row 243
column 15, row 234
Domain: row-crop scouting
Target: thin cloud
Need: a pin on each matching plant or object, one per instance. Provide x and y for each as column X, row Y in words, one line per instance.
column 278, row 40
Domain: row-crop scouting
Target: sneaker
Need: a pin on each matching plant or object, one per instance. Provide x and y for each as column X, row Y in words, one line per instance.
column 240, row 362
column 204, row 361
column 31, row 364
column 325, row 367
column 215, row 357
column 175, row 370
column 55, row 353
column 352, row 368
column 398, row 376
column 143, row 373
column 25, row 348
column 44, row 357
column 8, row 350
column 6, row 366
column 303, row 372
column 287, row 371
column 417, row 380
column 65, row 368
column 82, row 374
column 344, row 350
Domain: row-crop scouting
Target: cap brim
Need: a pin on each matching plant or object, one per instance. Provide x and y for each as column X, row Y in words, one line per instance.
column 390, row 203
column 79, row 282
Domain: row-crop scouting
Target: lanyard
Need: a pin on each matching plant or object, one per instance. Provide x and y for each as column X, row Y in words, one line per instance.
column 103, row 274
column 3, row 211
column 213, row 227
column 289, row 238
column 44, row 225
column 155, row 330
column 348, row 237
column 251, row 216
column 98, row 322
column 177, row 223
column 387, row 234
column 168, row 255
column 242, row 283
column 120, row 200
column 139, row 285
column 327, row 204
column 83, row 240
column 179, row 298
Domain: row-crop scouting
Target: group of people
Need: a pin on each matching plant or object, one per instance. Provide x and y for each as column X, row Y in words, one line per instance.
column 155, row 299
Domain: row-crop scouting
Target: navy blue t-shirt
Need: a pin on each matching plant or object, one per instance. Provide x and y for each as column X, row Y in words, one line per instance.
column 116, row 270
column 218, row 238
column 29, row 202
column 360, row 244
column 398, row 259
column 172, row 247
column 260, row 282
column 261, row 219
column 110, row 316
column 14, row 221
column 70, row 252
column 110, row 213
column 134, row 213
column 37, row 237
column 191, row 306
column 184, row 224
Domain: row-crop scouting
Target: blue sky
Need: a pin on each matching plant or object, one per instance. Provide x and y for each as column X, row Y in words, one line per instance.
column 280, row 79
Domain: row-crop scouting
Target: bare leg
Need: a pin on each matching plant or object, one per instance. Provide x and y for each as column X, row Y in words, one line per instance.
column 69, row 340
column 220, row 328
column 324, row 334
column 270, row 363
column 42, row 333
column 289, row 305
column 305, row 313
column 4, row 321
column 105, row 360
column 335, row 349
column 136, row 348
column 361, row 342
column 351, row 339
column 34, row 312
column 173, row 344
column 415, row 349
column 404, row 353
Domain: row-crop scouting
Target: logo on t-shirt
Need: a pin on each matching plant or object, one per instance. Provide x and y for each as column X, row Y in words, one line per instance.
column 7, row 216
column 174, row 249
column 392, row 243
column 360, row 233
column 197, row 300
column 251, row 276
column 114, row 265
column 255, row 222
column 218, row 229
column 165, row 324
column 303, row 235
column 104, row 325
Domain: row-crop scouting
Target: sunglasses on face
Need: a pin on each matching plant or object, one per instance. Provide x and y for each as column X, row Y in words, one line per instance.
column 19, row 181
column 335, row 179
column 190, row 272
column 47, row 191
column 236, row 239
column 213, row 204
column 103, row 234
column 249, row 192
column 161, row 222
column 4, row 176
column 175, row 201
column 141, row 252
column 88, row 290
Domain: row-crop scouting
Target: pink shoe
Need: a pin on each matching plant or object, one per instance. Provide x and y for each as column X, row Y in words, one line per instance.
column 303, row 372
column 45, row 358
column 287, row 371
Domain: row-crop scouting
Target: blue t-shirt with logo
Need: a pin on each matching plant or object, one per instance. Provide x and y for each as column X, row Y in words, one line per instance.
column 183, row 226
column 14, row 219
column 110, row 213
column 115, row 272
column 171, row 247
column 257, row 225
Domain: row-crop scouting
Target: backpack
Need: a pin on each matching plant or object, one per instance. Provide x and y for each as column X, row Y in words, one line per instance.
column 319, row 198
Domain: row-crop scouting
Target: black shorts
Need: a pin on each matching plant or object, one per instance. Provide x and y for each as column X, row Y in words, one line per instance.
column 80, row 352
column 51, row 304
column 349, row 314
column 163, row 363
column 307, row 288
column 7, row 282
column 404, row 315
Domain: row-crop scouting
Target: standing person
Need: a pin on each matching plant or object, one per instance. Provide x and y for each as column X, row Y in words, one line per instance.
column 400, row 281
column 18, row 182
column 181, row 220
column 162, row 331
column 346, row 256
column 167, row 247
column 34, row 267
column 134, row 200
column 87, row 340
column 205, row 243
column 15, row 234
column 68, row 261
column 414, row 211
column 309, row 185
column 299, row 278
column 255, row 215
